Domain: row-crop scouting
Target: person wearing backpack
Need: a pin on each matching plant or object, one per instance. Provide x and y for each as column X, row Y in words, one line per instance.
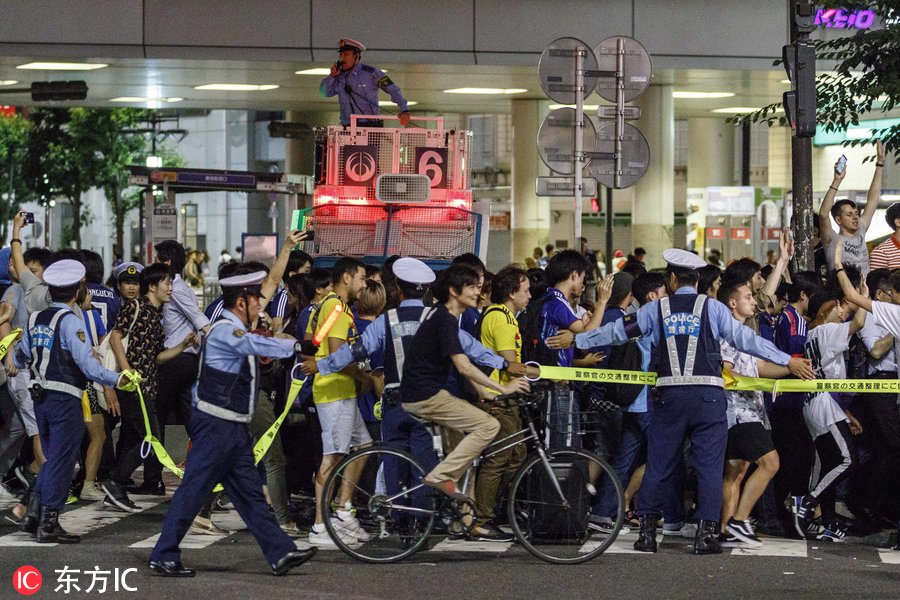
column 631, row 453
column 566, row 272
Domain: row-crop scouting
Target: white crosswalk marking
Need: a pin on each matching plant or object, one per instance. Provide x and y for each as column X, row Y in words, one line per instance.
column 230, row 522
column 775, row 547
column 449, row 545
column 81, row 521
column 891, row 557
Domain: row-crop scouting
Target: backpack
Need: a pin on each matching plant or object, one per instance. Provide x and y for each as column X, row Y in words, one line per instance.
column 477, row 335
column 625, row 357
column 530, row 325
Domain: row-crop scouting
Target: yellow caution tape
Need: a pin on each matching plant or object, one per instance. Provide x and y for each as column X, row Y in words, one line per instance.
column 259, row 449
column 6, row 342
column 733, row 382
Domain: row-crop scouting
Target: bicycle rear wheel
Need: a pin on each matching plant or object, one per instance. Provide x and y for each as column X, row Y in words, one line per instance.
column 550, row 500
column 393, row 519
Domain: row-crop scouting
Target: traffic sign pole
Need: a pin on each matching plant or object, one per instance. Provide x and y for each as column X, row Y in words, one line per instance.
column 579, row 139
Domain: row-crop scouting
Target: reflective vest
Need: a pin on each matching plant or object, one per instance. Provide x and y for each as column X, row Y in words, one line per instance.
column 401, row 325
column 51, row 366
column 688, row 353
column 228, row 396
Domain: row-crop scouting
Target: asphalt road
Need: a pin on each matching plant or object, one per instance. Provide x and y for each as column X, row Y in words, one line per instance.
column 232, row 567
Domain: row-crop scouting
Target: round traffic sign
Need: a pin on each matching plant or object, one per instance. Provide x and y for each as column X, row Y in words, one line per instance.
column 635, row 156
column 557, row 69
column 636, row 67
column 556, row 140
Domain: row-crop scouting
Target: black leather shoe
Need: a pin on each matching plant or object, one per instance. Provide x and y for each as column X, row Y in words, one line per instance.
column 646, row 541
column 147, row 489
column 170, row 568
column 707, row 539
column 293, row 559
column 49, row 531
column 29, row 523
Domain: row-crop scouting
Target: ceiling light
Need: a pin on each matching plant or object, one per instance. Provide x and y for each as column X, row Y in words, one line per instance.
column 8, row 82
column 586, row 107
column 698, row 95
column 389, row 103
column 890, row 197
column 736, row 110
column 142, row 99
column 235, row 87
column 486, row 91
column 315, row 71
column 62, row 66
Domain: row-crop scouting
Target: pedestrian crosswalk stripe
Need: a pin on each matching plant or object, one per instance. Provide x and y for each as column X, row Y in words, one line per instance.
column 775, row 547
column 192, row 541
column 891, row 557
column 80, row 521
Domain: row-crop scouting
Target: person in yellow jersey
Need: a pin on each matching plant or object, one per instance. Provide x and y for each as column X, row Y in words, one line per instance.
column 498, row 330
column 334, row 396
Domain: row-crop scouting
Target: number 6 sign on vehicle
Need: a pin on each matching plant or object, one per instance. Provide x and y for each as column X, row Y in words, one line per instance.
column 432, row 162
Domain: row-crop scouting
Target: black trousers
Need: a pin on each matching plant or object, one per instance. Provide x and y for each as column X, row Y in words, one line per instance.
column 131, row 437
column 880, row 484
column 797, row 451
column 176, row 378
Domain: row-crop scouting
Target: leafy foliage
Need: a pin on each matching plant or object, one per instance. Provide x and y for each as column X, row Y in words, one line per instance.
column 864, row 82
column 14, row 132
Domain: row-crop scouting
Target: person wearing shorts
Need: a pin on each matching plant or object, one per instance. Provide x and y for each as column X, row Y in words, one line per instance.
column 749, row 431
column 334, row 396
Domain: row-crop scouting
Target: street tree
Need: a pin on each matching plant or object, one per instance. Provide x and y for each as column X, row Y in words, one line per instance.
column 14, row 132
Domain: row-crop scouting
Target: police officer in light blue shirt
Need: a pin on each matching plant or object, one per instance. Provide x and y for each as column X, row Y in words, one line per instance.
column 57, row 350
column 356, row 86
column 222, row 448
column 685, row 329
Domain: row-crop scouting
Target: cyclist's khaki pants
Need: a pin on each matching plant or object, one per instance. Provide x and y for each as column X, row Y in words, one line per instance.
column 449, row 411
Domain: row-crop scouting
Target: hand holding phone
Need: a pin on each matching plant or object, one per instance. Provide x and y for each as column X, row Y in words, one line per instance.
column 840, row 165
column 29, row 218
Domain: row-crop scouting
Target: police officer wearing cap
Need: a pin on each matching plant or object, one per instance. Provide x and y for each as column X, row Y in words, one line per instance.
column 128, row 280
column 686, row 329
column 61, row 364
column 222, row 448
column 356, row 86
column 391, row 334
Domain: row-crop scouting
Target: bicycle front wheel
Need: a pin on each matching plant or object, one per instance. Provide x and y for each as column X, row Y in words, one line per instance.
column 550, row 500
column 394, row 514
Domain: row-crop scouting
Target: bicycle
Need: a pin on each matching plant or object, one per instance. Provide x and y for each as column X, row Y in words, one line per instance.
column 548, row 500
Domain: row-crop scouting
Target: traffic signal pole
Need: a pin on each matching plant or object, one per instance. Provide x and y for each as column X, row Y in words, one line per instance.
column 800, row 109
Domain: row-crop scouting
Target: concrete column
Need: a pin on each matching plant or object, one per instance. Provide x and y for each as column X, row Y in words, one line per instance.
column 653, row 210
column 530, row 218
column 710, row 152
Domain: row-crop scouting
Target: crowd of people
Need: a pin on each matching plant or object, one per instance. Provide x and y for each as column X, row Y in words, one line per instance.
column 379, row 345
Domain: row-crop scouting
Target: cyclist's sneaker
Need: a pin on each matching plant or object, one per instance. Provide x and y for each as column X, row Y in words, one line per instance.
column 727, row 540
column 743, row 531
column 832, row 533
column 803, row 511
column 321, row 538
column 489, row 533
column 605, row 525
column 680, row 529
column 345, row 522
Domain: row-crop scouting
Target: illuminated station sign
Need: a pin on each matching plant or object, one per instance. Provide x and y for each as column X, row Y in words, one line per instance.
column 843, row 19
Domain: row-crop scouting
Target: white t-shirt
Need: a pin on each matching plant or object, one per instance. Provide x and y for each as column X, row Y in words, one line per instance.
column 825, row 347
column 870, row 334
column 743, row 407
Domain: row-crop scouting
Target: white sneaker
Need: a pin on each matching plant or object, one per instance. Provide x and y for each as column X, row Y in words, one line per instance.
column 346, row 522
column 92, row 492
column 321, row 539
